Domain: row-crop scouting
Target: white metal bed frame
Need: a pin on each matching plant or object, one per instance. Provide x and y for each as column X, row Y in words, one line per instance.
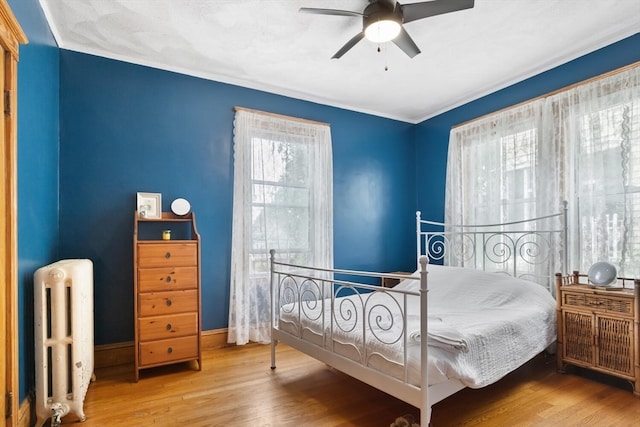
column 512, row 248
column 304, row 287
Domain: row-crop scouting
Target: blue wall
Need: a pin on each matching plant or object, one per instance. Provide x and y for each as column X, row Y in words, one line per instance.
column 127, row 128
column 38, row 162
column 432, row 136
column 92, row 132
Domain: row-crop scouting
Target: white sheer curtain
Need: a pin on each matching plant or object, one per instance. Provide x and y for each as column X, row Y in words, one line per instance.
column 499, row 171
column 494, row 169
column 599, row 125
column 282, row 200
column 580, row 145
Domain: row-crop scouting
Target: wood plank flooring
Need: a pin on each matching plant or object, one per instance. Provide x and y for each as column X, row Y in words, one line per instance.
column 237, row 388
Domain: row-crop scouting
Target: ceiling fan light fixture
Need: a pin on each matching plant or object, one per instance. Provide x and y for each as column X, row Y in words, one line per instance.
column 382, row 21
column 382, row 31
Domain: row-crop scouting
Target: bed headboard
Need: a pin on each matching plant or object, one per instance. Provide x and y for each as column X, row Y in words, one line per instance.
column 532, row 249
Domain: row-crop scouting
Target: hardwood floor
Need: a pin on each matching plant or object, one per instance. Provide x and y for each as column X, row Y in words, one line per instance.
column 237, row 388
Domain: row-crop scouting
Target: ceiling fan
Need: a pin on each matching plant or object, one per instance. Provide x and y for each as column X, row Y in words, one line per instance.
column 382, row 20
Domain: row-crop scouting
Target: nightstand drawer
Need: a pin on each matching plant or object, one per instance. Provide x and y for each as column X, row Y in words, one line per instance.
column 159, row 303
column 167, row 279
column 163, row 351
column 167, row 254
column 165, row 327
column 611, row 304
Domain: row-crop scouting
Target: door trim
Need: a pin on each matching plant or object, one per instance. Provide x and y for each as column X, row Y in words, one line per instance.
column 11, row 36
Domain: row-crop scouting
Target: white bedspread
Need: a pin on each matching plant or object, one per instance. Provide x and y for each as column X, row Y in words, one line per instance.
column 481, row 326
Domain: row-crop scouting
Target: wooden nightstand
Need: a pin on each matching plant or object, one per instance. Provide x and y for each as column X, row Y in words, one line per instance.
column 599, row 329
column 390, row 282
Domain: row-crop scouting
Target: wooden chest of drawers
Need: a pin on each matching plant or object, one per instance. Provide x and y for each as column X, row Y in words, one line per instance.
column 167, row 298
column 599, row 329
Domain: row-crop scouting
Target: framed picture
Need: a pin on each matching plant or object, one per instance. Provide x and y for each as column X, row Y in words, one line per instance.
column 149, row 205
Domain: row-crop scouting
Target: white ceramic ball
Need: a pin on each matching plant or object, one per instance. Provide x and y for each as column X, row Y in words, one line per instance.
column 602, row 273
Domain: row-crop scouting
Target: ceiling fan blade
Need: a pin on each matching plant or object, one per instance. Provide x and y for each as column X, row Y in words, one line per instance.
column 415, row 11
column 406, row 43
column 351, row 43
column 328, row 11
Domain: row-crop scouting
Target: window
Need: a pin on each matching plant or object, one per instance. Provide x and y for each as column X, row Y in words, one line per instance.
column 282, row 200
column 493, row 177
column 519, row 159
column 609, row 196
column 581, row 145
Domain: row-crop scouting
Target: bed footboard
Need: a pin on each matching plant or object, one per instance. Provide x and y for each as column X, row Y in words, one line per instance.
column 345, row 319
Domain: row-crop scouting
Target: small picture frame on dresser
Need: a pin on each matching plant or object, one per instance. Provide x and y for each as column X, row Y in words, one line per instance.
column 149, row 205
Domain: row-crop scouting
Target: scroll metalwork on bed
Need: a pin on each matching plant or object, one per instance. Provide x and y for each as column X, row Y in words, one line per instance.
column 362, row 322
column 530, row 249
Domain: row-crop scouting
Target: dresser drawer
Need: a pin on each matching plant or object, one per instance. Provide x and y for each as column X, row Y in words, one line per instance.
column 164, row 351
column 167, row 254
column 167, row 279
column 159, row 303
column 609, row 304
column 165, row 327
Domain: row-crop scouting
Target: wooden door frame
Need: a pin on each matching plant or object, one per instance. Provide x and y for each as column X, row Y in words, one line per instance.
column 11, row 36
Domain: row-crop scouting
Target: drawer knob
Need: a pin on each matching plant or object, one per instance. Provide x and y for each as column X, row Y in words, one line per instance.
column 168, row 326
column 169, row 350
column 167, row 255
column 169, row 303
column 168, row 279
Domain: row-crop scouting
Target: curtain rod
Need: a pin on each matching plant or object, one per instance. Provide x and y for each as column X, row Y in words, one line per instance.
column 554, row 92
column 281, row 116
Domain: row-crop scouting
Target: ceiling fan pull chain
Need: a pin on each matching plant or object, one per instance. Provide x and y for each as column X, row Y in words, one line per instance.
column 386, row 57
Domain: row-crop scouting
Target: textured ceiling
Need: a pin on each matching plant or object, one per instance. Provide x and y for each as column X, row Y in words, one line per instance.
column 268, row 45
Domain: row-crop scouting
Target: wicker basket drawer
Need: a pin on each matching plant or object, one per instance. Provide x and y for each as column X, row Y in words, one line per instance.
column 167, row 254
column 617, row 305
column 579, row 340
column 615, row 344
column 611, row 304
column 164, row 351
column 167, row 279
column 575, row 299
column 165, row 327
column 159, row 303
